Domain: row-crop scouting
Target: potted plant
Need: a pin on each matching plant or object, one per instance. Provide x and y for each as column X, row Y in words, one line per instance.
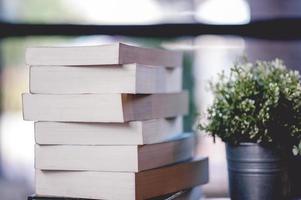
column 257, row 112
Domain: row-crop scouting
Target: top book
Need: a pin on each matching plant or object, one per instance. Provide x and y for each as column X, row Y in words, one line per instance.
column 111, row 54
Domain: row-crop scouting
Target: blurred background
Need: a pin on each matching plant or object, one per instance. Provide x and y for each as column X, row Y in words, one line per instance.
column 212, row 33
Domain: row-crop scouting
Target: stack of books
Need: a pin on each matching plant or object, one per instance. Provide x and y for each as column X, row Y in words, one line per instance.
column 108, row 124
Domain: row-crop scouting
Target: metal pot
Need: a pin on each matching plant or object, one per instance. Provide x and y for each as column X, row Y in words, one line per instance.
column 295, row 176
column 256, row 172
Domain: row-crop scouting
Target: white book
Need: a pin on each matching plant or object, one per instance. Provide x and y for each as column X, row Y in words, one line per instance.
column 194, row 193
column 111, row 54
column 103, row 107
column 128, row 78
column 129, row 133
column 125, row 158
column 122, row 185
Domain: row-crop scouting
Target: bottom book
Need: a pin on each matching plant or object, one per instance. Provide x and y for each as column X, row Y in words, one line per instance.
column 189, row 194
column 122, row 185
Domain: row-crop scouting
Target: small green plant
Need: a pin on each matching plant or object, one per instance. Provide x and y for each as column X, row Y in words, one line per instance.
column 259, row 103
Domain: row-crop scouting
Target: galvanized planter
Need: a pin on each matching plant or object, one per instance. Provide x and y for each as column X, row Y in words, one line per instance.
column 295, row 176
column 256, row 173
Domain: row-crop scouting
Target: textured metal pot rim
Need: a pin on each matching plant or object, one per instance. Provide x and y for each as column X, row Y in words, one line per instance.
column 253, row 153
column 245, row 144
column 252, row 144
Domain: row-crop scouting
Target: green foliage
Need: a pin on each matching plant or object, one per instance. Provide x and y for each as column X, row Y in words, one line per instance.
column 258, row 102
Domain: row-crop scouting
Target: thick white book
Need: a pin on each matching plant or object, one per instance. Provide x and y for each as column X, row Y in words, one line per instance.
column 129, row 133
column 194, row 193
column 125, row 158
column 122, row 185
column 111, row 54
column 103, row 107
column 128, row 78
